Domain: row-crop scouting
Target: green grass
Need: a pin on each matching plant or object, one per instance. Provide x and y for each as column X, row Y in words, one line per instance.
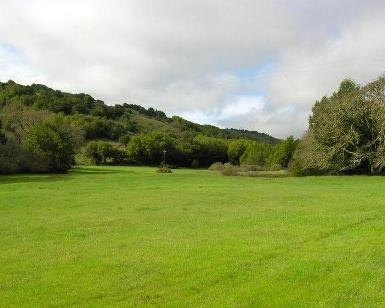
column 148, row 125
column 126, row 236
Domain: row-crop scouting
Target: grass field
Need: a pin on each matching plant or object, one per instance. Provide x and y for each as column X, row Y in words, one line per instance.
column 128, row 236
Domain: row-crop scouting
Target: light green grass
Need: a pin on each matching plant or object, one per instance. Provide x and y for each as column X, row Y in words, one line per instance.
column 126, row 236
column 148, row 125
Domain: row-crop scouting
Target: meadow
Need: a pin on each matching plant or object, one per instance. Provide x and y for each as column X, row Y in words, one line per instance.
column 128, row 236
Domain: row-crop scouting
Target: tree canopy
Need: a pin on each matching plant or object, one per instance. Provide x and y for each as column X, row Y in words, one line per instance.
column 346, row 132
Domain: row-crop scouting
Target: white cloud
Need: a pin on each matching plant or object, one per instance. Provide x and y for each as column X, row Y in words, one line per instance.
column 185, row 56
column 13, row 66
column 240, row 107
column 306, row 74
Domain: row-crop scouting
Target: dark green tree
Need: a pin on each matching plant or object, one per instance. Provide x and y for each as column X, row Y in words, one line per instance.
column 53, row 143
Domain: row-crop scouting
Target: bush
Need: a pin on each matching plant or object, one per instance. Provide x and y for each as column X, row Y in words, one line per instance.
column 218, row 166
column 125, row 139
column 275, row 167
column 229, row 170
column 270, row 174
column 195, row 164
column 247, row 168
column 164, row 169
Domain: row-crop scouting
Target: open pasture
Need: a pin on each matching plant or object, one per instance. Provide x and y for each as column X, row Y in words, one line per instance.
column 128, row 236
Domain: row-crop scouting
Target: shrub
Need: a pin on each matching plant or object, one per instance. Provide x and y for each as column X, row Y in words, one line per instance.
column 275, row 167
column 270, row 174
column 164, row 169
column 195, row 164
column 218, row 166
column 229, row 170
column 247, row 168
column 125, row 139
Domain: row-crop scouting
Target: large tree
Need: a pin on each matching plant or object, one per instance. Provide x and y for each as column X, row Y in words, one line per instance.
column 346, row 132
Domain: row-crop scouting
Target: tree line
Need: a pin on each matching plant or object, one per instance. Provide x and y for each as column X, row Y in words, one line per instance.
column 46, row 130
column 41, row 141
column 42, row 129
column 192, row 150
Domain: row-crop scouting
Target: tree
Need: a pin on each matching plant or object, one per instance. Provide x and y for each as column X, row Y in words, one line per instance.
column 53, row 143
column 346, row 131
column 283, row 152
column 210, row 150
column 148, row 149
column 103, row 152
column 235, row 150
column 309, row 158
column 3, row 138
column 257, row 154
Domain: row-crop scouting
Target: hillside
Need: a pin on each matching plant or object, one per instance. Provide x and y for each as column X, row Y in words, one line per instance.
column 101, row 121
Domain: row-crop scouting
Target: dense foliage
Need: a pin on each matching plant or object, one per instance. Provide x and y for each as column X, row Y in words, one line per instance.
column 346, row 132
column 53, row 143
column 101, row 152
column 36, row 141
column 183, row 150
column 42, row 129
column 99, row 120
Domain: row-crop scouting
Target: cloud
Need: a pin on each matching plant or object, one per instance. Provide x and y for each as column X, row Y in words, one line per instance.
column 241, row 63
column 237, row 108
column 13, row 66
column 306, row 74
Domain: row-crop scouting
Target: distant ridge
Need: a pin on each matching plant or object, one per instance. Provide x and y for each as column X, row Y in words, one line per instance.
column 119, row 119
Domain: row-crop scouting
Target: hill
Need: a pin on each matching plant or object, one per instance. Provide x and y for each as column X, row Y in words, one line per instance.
column 47, row 130
column 102, row 121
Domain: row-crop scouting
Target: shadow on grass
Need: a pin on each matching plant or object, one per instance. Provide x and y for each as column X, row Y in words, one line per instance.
column 32, row 178
column 265, row 174
column 46, row 177
column 98, row 170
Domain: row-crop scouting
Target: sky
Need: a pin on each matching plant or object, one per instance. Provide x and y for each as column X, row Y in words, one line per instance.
column 250, row 64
